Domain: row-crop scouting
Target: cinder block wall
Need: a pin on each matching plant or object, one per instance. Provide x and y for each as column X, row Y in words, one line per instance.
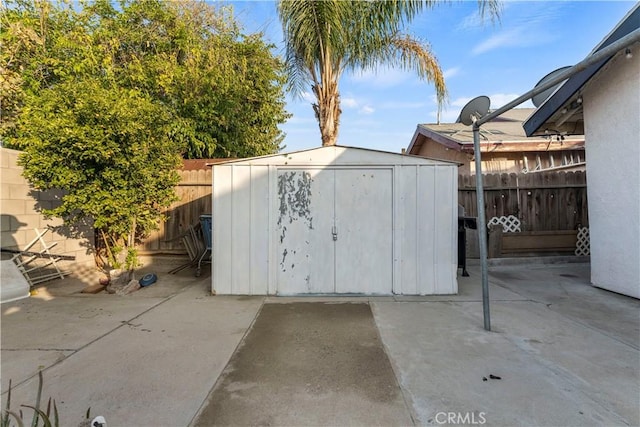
column 20, row 216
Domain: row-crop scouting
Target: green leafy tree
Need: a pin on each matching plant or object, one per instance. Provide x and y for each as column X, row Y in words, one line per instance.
column 105, row 100
column 235, row 109
column 108, row 149
column 326, row 38
column 27, row 32
column 224, row 89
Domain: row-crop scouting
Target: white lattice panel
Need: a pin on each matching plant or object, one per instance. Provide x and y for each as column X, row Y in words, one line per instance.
column 583, row 246
column 510, row 224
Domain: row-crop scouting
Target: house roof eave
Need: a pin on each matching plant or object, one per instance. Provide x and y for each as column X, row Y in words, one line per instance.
column 566, row 93
column 422, row 133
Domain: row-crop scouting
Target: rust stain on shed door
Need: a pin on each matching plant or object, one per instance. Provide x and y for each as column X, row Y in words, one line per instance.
column 335, row 231
column 305, row 250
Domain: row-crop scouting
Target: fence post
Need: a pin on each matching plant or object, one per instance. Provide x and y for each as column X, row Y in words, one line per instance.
column 495, row 241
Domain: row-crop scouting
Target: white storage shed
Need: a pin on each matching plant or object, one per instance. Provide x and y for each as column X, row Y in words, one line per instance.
column 335, row 220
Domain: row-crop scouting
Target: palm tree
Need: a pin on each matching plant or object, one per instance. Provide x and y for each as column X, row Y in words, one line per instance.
column 326, row 37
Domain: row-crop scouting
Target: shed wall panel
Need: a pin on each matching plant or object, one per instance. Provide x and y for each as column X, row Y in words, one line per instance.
column 426, row 232
column 259, row 224
column 272, row 207
column 446, row 229
column 241, row 230
column 222, row 236
column 408, row 224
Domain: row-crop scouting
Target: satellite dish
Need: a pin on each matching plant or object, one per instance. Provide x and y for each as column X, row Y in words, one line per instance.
column 475, row 109
column 542, row 96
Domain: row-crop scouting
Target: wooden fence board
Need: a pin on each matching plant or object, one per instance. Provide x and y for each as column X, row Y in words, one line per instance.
column 194, row 194
column 543, row 201
column 535, row 242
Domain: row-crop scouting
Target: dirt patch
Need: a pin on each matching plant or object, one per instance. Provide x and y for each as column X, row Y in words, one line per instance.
column 308, row 363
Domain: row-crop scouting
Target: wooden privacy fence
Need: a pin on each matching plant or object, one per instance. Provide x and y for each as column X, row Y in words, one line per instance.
column 543, row 201
column 194, row 192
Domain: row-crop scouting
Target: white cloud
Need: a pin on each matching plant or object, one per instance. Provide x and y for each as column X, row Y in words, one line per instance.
column 509, row 38
column 448, row 115
column 367, row 109
column 450, row 72
column 471, row 21
column 460, row 102
column 451, row 112
column 402, row 105
column 382, row 77
column 531, row 24
column 308, row 96
column 349, row 102
column 296, row 119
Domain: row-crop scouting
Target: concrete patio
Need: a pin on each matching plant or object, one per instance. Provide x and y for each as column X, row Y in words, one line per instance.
column 566, row 353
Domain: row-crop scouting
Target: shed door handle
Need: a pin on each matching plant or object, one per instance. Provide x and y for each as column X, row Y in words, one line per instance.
column 334, row 231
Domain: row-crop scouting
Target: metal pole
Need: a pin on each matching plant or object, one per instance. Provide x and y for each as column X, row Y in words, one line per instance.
column 600, row 55
column 482, row 228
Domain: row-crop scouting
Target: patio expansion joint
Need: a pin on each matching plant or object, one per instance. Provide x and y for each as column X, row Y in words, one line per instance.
column 574, row 381
column 40, row 349
column 568, row 376
column 405, row 393
column 549, row 306
column 599, row 331
column 203, row 404
column 122, row 324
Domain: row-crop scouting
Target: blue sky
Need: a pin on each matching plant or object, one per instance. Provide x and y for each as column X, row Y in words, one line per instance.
column 381, row 108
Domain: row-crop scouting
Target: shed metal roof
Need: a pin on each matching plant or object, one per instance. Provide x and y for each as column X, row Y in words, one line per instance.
column 339, row 155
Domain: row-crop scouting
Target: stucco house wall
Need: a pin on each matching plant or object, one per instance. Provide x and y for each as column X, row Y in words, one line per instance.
column 612, row 133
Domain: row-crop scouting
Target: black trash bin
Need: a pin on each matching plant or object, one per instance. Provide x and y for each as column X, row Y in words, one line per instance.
column 464, row 222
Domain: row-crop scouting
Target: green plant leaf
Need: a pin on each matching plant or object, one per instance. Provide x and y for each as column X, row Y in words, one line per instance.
column 41, row 414
column 56, row 417
column 36, row 408
column 5, row 418
column 17, row 417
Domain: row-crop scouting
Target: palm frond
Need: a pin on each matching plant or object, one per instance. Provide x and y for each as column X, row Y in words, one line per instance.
column 493, row 8
column 315, row 36
column 414, row 55
column 325, row 37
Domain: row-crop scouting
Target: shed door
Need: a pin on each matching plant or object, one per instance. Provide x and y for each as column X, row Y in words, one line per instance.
column 364, row 226
column 335, row 231
column 305, row 253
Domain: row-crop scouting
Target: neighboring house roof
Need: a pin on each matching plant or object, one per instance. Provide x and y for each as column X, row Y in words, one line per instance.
column 502, row 134
column 562, row 111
